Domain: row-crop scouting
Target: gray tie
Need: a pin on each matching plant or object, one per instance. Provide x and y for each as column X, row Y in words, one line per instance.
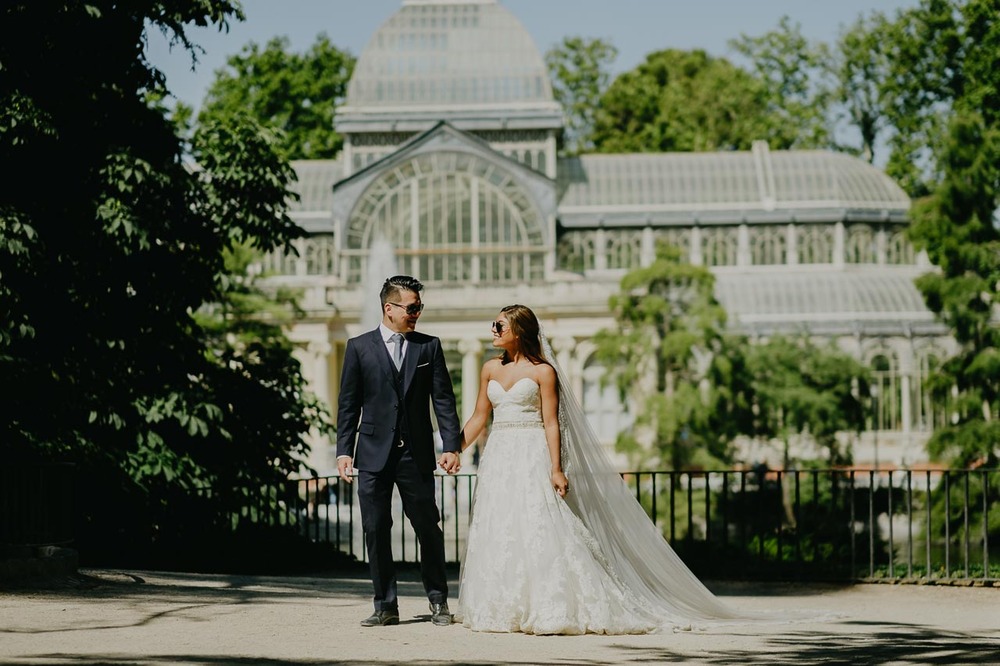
column 397, row 353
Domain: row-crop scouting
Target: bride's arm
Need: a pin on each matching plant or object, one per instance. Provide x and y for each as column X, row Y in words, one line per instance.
column 550, row 418
column 477, row 422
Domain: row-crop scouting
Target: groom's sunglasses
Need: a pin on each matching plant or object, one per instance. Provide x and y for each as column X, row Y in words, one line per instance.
column 411, row 309
column 497, row 327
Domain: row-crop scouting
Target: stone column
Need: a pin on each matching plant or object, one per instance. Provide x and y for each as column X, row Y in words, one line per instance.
column 600, row 250
column 906, row 405
column 648, row 246
column 472, row 352
column 563, row 347
column 881, row 243
column 314, row 357
column 318, row 353
column 743, row 254
column 839, row 244
column 695, row 254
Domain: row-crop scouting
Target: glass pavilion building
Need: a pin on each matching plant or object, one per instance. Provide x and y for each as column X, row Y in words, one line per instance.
column 450, row 173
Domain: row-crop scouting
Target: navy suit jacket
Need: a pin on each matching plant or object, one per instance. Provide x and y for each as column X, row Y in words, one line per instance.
column 368, row 408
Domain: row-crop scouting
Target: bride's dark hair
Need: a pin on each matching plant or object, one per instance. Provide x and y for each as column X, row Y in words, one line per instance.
column 524, row 325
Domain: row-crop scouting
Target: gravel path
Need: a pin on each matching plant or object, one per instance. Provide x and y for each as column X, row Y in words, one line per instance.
column 140, row 617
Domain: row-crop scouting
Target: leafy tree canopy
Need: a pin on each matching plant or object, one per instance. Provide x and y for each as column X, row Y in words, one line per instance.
column 801, row 388
column 296, row 93
column 102, row 276
column 668, row 327
column 796, row 86
column 947, row 84
column 691, row 101
column 578, row 68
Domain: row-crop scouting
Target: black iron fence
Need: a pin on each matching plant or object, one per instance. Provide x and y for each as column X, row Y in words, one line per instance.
column 836, row 524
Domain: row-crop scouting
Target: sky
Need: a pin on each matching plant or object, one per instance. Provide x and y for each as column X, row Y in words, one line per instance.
column 635, row 27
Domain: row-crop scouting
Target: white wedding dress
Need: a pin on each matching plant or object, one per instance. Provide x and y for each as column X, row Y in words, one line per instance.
column 531, row 566
column 590, row 563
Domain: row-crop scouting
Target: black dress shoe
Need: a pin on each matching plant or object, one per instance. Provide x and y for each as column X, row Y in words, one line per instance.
column 440, row 615
column 381, row 618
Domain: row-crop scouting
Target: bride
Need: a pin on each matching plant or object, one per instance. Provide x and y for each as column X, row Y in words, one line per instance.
column 557, row 544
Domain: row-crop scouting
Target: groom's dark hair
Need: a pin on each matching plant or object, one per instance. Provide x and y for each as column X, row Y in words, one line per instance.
column 397, row 283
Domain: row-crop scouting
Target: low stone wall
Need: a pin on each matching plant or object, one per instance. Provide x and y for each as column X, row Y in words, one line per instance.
column 23, row 564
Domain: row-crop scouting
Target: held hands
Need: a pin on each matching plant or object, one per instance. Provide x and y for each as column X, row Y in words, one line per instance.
column 560, row 483
column 450, row 462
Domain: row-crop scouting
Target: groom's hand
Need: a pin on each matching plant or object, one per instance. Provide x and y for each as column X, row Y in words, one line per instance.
column 450, row 462
column 344, row 468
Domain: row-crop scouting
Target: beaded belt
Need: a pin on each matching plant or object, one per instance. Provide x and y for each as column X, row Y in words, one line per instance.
column 516, row 425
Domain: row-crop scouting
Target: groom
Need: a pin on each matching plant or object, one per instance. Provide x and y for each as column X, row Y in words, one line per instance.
column 390, row 377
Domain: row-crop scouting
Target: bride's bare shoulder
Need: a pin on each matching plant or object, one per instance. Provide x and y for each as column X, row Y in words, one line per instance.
column 490, row 368
column 544, row 374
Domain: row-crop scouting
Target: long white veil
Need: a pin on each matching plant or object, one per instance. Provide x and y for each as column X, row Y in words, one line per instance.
column 630, row 542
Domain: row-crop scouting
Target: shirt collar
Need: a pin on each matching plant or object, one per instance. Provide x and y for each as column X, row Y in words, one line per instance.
column 387, row 333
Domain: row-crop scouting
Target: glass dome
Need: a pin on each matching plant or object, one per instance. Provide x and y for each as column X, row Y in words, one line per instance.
column 448, row 53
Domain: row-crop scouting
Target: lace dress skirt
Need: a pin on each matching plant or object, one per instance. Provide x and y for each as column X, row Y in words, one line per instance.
column 530, row 565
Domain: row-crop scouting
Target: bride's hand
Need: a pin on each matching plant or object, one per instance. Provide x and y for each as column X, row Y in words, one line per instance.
column 560, row 483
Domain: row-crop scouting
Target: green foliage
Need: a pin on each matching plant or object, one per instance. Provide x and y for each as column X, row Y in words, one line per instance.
column 802, row 388
column 797, row 92
column 668, row 328
column 295, row 93
column 860, row 66
column 955, row 225
column 941, row 58
column 697, row 389
column 927, row 80
column 579, row 71
column 102, row 277
column 691, row 101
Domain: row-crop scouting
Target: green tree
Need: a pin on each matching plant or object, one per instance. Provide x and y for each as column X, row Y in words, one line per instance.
column 860, row 66
column 579, row 69
column 691, row 101
column 667, row 335
column 926, row 49
column 102, row 277
column 297, row 93
column 947, row 79
column 801, row 389
column 797, row 89
column 957, row 227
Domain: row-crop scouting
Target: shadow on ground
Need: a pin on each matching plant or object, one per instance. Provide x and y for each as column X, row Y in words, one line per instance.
column 882, row 644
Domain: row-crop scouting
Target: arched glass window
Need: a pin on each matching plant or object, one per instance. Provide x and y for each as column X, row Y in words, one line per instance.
column 886, row 396
column 575, row 251
column 814, row 243
column 720, row 246
column 861, row 246
column 768, row 245
column 450, row 217
column 928, row 413
column 898, row 249
column 624, row 248
column 320, row 255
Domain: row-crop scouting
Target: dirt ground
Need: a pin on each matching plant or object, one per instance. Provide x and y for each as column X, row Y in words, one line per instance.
column 142, row 617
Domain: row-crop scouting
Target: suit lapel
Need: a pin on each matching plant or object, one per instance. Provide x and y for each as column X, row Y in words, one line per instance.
column 382, row 354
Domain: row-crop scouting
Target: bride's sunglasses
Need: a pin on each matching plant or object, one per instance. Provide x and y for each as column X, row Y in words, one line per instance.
column 497, row 327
